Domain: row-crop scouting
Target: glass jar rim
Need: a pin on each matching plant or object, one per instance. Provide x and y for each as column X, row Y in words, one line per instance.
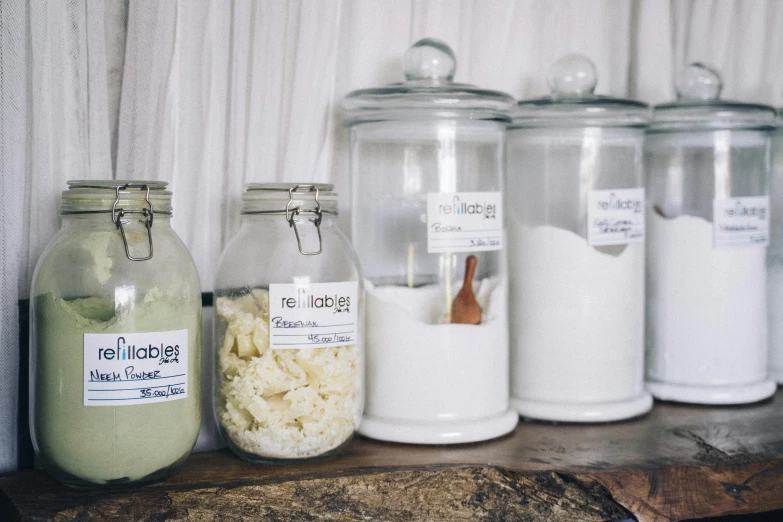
column 282, row 198
column 695, row 115
column 591, row 110
column 103, row 184
column 100, row 196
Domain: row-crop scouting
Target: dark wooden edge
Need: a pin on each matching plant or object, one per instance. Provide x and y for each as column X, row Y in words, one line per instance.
column 450, row 492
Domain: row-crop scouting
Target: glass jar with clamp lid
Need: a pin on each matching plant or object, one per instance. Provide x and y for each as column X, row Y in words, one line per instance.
column 115, row 366
column 289, row 333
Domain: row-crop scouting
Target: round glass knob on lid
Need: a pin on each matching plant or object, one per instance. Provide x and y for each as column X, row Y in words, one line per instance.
column 430, row 59
column 572, row 101
column 573, row 75
column 427, row 92
column 700, row 107
column 699, row 82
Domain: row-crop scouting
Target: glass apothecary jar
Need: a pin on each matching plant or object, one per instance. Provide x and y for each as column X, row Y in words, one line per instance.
column 427, row 223
column 115, row 360
column 576, row 251
column 707, row 163
column 289, row 334
column 775, row 256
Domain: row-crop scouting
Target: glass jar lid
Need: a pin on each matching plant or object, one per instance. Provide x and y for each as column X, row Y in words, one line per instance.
column 428, row 92
column 572, row 102
column 275, row 197
column 89, row 195
column 699, row 106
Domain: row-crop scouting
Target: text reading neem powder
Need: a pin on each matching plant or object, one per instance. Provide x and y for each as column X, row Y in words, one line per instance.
column 135, row 368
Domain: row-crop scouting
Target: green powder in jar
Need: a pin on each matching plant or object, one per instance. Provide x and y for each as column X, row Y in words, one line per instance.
column 110, row 444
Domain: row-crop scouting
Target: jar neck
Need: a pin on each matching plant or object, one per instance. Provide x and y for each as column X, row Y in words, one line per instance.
column 271, row 209
column 95, row 206
column 80, row 199
column 103, row 221
column 279, row 219
column 257, row 206
column 305, row 231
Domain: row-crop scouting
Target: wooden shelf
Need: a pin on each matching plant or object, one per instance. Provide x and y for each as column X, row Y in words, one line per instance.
column 678, row 462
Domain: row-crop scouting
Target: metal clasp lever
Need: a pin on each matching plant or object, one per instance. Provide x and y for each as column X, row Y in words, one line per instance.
column 292, row 213
column 147, row 213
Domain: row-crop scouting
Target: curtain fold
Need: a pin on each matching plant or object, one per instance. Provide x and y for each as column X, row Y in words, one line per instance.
column 54, row 126
column 13, row 230
column 212, row 94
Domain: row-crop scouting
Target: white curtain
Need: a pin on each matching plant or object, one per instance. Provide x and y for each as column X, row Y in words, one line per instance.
column 210, row 95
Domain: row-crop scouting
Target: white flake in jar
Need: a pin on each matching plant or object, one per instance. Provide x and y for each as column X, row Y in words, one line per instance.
column 282, row 403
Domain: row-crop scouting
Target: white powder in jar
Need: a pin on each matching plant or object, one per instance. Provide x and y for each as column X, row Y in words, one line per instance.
column 420, row 370
column 706, row 316
column 577, row 331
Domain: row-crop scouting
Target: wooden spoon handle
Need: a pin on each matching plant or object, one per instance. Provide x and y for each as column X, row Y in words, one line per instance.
column 470, row 271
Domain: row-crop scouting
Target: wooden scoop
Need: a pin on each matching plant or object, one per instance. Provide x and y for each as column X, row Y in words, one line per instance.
column 465, row 309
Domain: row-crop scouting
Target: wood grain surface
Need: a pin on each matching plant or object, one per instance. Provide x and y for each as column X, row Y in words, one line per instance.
column 676, row 463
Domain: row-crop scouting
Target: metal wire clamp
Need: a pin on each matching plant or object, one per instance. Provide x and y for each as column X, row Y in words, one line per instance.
column 292, row 213
column 118, row 213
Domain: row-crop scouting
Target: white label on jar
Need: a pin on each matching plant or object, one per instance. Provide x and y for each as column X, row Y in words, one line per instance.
column 135, row 368
column 464, row 222
column 740, row 222
column 313, row 315
column 615, row 217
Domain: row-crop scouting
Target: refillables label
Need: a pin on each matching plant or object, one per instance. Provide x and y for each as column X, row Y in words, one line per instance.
column 135, row 368
column 740, row 222
column 464, row 222
column 615, row 217
column 313, row 315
